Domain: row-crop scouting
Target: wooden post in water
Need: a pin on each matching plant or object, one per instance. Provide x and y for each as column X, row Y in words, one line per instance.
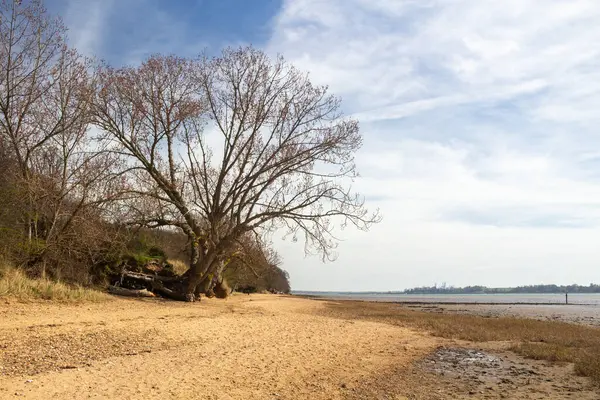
column 566, row 297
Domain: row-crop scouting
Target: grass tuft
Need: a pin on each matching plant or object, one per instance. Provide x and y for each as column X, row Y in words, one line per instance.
column 547, row 351
column 179, row 267
column 15, row 284
column 588, row 364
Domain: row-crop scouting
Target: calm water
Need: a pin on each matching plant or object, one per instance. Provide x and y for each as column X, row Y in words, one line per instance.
column 462, row 298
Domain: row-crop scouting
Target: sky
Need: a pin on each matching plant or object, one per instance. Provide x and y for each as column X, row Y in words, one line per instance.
column 480, row 122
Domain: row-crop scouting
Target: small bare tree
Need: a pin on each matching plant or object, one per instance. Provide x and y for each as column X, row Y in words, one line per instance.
column 30, row 44
column 286, row 152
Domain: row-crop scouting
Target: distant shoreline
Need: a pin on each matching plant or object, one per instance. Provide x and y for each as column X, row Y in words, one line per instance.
column 578, row 313
column 309, row 293
column 475, row 290
column 524, row 299
column 453, row 303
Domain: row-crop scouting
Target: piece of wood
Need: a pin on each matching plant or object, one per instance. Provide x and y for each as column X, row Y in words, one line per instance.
column 157, row 285
column 171, row 294
column 148, row 277
column 130, row 292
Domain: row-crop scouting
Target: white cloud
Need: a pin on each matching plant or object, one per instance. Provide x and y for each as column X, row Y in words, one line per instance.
column 480, row 121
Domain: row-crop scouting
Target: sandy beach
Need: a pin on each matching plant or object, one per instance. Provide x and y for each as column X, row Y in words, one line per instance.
column 252, row 347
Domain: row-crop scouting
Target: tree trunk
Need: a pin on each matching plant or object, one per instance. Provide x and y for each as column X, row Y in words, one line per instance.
column 196, row 278
column 205, row 271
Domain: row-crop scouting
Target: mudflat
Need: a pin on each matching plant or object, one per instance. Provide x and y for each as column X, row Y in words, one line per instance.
column 254, row 347
column 572, row 313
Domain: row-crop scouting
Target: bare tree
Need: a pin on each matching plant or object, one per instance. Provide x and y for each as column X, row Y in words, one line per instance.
column 285, row 157
column 45, row 99
column 30, row 43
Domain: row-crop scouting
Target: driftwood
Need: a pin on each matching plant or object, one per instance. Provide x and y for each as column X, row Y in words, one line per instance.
column 158, row 287
column 137, row 282
column 130, row 292
column 147, row 277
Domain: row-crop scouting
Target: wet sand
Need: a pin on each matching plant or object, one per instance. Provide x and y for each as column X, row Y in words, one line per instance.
column 573, row 313
column 584, row 314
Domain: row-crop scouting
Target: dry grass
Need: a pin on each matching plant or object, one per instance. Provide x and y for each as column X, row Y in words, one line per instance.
column 548, row 351
column 16, row 285
column 541, row 340
column 179, row 267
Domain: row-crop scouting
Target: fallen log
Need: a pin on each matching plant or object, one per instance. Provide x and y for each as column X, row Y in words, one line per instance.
column 169, row 287
column 130, row 292
column 171, row 294
column 147, row 277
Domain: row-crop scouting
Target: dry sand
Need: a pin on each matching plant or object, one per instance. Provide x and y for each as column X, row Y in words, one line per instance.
column 246, row 347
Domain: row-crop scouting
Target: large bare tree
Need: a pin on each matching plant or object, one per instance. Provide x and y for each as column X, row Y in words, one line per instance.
column 283, row 158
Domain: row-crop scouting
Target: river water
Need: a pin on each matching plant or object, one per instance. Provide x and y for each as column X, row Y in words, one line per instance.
column 537, row 298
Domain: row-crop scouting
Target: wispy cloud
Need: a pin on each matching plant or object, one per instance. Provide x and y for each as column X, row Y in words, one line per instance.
column 87, row 24
column 395, row 52
column 480, row 121
column 125, row 32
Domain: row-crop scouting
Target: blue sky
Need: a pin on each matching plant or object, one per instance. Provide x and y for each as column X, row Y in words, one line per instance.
column 126, row 31
column 480, row 119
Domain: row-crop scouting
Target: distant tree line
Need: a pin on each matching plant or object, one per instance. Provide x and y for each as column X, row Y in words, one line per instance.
column 443, row 289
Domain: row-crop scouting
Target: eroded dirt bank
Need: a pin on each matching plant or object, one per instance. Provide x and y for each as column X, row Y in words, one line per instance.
column 250, row 347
